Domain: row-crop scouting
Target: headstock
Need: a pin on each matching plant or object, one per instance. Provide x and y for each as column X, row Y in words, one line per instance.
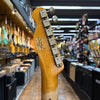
column 45, row 37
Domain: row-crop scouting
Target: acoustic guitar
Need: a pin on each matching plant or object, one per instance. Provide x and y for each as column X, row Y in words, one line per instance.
column 49, row 56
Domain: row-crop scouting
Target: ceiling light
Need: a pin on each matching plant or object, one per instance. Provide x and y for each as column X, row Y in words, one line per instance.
column 58, row 31
column 73, row 7
column 88, row 31
column 72, row 19
column 14, row 11
column 64, row 26
column 66, row 34
column 26, row 27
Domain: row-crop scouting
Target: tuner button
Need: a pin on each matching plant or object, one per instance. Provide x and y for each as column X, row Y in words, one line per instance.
column 49, row 32
column 43, row 14
column 52, row 41
column 58, row 61
column 55, row 51
column 51, row 10
column 46, row 23
column 55, row 19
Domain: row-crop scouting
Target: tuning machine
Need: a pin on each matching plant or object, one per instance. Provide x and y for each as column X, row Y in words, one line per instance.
column 56, row 28
column 55, row 19
column 51, row 10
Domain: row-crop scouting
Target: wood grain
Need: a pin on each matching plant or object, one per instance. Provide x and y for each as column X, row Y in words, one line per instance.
column 33, row 89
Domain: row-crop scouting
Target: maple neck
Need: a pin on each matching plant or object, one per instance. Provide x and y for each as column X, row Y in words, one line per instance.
column 49, row 56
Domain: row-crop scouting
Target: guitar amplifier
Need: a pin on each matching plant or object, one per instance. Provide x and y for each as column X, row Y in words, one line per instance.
column 2, row 87
column 11, row 90
column 10, row 77
column 2, row 72
column 87, row 80
column 96, row 84
column 72, row 73
column 31, row 68
column 22, row 77
column 67, row 62
column 79, row 76
column 10, row 68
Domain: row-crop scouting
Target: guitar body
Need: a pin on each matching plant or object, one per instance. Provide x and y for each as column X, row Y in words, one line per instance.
column 5, row 36
column 49, row 70
column 0, row 35
column 10, row 37
column 13, row 42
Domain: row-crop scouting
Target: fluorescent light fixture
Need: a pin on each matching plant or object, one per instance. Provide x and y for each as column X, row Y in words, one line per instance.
column 73, row 7
column 73, row 31
column 58, row 31
column 72, row 19
column 65, row 34
column 89, row 31
column 64, row 26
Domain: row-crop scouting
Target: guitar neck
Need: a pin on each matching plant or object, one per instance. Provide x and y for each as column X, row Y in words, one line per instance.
column 49, row 56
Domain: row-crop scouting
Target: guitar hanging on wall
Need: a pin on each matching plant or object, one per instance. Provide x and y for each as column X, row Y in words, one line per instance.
column 5, row 32
column 10, row 36
column 49, row 56
column 0, row 35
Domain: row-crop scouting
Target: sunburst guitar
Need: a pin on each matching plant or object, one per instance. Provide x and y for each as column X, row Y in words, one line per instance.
column 49, row 56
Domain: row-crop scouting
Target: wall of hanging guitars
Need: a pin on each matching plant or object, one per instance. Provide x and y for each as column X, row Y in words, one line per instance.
column 13, row 39
column 82, row 40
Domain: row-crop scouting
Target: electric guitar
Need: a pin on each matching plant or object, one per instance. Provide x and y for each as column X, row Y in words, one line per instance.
column 49, row 56
column 92, row 47
column 18, row 38
column 23, row 38
column 28, row 42
column 5, row 36
column 0, row 35
column 14, row 36
column 10, row 37
column 10, row 34
column 5, row 33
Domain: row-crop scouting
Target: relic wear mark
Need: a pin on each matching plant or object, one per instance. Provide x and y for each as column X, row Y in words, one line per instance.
column 39, row 44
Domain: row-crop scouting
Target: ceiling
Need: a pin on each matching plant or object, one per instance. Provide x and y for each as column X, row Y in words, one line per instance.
column 70, row 13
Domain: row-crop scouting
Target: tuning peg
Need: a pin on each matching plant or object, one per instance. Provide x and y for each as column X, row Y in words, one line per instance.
column 51, row 10
column 56, row 28
column 55, row 19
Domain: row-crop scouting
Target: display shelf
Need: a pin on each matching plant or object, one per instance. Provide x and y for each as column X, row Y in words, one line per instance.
column 6, row 8
column 22, row 12
column 8, row 59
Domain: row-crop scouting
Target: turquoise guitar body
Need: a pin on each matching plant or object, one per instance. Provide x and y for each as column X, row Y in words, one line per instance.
column 5, row 36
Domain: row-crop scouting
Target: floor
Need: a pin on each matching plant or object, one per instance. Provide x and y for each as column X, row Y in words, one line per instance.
column 33, row 89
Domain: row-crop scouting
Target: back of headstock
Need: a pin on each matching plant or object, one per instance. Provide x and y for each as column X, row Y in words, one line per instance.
column 49, row 56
